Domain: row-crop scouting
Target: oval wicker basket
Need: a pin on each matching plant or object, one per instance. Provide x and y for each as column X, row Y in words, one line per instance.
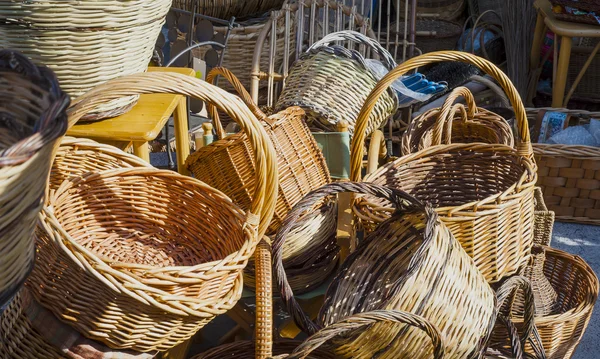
column 227, row 164
column 224, row 9
column 456, row 124
column 33, row 118
column 384, row 273
column 331, row 83
column 104, row 262
column 85, row 42
column 576, row 285
column 484, row 193
column 31, row 332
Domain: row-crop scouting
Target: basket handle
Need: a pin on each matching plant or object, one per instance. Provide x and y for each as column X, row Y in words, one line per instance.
column 366, row 319
column 443, row 122
column 264, row 300
column 265, row 192
column 244, row 95
column 398, row 198
column 357, row 37
column 524, row 143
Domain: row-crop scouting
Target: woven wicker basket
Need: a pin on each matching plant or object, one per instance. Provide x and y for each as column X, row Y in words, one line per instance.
column 164, row 291
column 432, row 34
column 224, row 9
column 456, row 124
column 331, row 83
column 445, row 9
column 577, row 287
column 387, row 271
column 484, row 193
column 31, row 332
column 544, row 220
column 569, row 176
column 228, row 166
column 33, row 117
column 85, row 42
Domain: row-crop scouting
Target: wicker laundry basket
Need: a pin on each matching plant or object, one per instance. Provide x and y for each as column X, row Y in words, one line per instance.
column 484, row 193
column 576, row 286
column 569, row 175
column 85, row 42
column 456, row 124
column 224, row 9
column 32, row 119
column 227, row 164
column 387, row 271
column 31, row 332
column 331, row 83
column 103, row 261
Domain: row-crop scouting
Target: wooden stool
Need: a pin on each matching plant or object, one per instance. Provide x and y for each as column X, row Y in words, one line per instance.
column 566, row 31
column 144, row 123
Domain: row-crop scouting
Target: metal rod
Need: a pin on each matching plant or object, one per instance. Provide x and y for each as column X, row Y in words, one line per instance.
column 413, row 28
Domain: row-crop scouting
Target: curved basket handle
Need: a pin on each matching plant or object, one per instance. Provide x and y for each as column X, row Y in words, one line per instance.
column 366, row 319
column 443, row 122
column 264, row 300
column 523, row 145
column 507, row 290
column 398, row 198
column 265, row 192
column 244, row 95
column 357, row 37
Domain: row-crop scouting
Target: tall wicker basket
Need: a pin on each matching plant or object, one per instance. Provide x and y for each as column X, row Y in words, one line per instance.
column 484, row 193
column 85, row 42
column 33, row 117
column 387, row 272
column 103, row 259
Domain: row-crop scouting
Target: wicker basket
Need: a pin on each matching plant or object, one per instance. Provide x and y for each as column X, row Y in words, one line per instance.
column 577, row 287
column 331, row 83
column 569, row 176
column 452, row 124
column 484, row 193
column 227, row 164
column 33, row 117
column 444, row 9
column 544, row 220
column 224, row 9
column 162, row 291
column 387, row 271
column 432, row 34
column 31, row 332
column 85, row 42
column 592, row 7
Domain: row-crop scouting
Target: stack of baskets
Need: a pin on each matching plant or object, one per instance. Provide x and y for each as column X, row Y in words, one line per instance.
column 33, row 118
column 85, row 42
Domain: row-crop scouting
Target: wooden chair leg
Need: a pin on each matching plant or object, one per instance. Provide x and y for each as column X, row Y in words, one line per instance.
column 558, row 88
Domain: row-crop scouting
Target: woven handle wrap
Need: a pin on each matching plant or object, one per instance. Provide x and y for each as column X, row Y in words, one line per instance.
column 443, row 123
column 264, row 301
column 362, row 320
column 357, row 37
column 263, row 203
column 400, row 199
column 239, row 88
column 524, row 144
column 51, row 124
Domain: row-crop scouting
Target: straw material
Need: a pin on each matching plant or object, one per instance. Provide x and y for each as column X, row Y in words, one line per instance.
column 32, row 118
column 544, row 220
column 85, row 43
column 31, row 332
column 484, row 193
column 577, row 287
column 456, row 124
column 569, row 175
column 332, row 82
column 228, row 166
column 387, row 271
column 224, row 9
column 104, row 261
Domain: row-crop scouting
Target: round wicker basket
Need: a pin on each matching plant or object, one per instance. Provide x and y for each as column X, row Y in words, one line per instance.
column 104, row 261
column 32, row 119
column 224, row 9
column 484, row 193
column 85, row 42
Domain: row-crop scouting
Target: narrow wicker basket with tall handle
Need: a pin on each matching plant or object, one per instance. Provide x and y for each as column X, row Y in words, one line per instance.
column 484, row 193
column 443, row 126
column 150, row 250
column 32, row 119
